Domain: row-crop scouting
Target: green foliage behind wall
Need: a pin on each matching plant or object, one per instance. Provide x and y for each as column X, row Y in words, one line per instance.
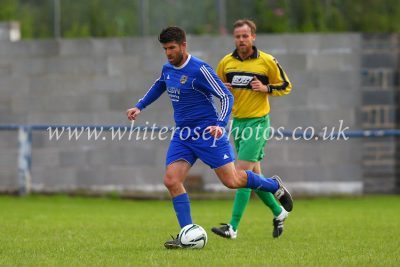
column 111, row 18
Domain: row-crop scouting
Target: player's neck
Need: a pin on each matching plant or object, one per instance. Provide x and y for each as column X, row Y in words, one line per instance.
column 246, row 55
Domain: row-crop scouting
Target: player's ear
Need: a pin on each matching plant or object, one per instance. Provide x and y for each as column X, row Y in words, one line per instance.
column 184, row 44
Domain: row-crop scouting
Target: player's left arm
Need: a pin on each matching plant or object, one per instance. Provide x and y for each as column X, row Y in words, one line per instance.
column 210, row 82
column 279, row 83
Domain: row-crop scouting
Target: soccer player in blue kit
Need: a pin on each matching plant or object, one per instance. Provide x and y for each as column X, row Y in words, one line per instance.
column 191, row 84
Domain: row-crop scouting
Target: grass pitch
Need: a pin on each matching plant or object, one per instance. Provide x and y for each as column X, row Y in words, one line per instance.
column 64, row 231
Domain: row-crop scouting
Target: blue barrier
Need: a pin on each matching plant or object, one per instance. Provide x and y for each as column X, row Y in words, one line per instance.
column 297, row 134
column 25, row 141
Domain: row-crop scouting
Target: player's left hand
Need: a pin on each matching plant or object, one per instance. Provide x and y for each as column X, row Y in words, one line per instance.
column 215, row 131
column 258, row 86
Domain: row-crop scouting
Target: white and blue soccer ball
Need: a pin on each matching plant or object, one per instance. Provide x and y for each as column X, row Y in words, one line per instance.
column 193, row 236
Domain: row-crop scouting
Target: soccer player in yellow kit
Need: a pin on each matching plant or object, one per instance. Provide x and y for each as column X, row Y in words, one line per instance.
column 252, row 76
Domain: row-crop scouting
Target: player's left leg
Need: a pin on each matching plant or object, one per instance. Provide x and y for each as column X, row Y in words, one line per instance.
column 233, row 179
column 219, row 156
column 267, row 198
column 242, row 197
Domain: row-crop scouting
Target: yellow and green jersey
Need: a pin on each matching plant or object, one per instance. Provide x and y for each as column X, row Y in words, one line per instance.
column 239, row 73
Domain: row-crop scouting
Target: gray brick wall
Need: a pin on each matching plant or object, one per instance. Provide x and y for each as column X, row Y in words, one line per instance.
column 93, row 81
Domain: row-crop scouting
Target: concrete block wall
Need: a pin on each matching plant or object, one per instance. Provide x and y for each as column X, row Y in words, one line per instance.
column 93, row 81
column 8, row 161
column 381, row 98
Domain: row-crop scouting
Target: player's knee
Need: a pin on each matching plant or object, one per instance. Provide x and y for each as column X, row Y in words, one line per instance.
column 230, row 183
column 170, row 181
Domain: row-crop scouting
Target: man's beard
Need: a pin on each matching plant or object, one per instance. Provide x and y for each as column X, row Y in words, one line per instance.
column 243, row 49
column 178, row 60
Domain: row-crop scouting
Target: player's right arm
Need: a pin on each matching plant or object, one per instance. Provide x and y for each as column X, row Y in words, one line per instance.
column 132, row 113
column 221, row 73
column 155, row 91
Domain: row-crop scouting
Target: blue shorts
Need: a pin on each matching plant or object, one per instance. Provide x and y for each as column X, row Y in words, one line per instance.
column 214, row 153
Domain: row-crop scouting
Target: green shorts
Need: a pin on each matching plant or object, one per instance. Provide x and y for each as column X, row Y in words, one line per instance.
column 250, row 136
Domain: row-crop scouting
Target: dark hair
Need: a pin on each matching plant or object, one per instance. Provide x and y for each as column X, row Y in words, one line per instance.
column 171, row 34
column 250, row 23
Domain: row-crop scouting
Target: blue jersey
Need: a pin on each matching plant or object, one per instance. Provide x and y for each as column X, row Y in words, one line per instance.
column 191, row 88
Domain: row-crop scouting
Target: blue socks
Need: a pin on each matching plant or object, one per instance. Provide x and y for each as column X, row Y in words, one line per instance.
column 255, row 181
column 182, row 209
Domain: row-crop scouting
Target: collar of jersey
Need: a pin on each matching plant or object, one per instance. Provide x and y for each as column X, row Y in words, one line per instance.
column 235, row 54
column 184, row 64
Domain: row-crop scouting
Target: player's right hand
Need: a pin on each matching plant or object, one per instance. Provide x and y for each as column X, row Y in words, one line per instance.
column 215, row 131
column 132, row 113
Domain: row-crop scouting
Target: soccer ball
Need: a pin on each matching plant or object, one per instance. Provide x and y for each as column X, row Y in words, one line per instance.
column 193, row 236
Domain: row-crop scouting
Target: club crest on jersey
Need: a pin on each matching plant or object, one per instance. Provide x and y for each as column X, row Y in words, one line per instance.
column 183, row 79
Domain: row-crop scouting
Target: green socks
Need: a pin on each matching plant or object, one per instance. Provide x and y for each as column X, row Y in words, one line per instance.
column 270, row 201
column 242, row 198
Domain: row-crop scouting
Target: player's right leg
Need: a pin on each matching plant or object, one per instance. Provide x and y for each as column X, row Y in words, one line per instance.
column 179, row 161
column 242, row 197
column 251, row 152
column 173, row 179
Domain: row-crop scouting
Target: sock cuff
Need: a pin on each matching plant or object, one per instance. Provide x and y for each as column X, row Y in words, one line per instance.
column 181, row 198
column 250, row 179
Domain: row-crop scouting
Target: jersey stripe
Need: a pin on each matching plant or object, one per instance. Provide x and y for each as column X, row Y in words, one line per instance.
column 148, row 91
column 211, row 102
column 285, row 83
column 216, row 87
column 218, row 90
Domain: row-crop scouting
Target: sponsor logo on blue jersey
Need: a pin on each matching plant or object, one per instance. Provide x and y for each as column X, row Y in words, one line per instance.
column 174, row 93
